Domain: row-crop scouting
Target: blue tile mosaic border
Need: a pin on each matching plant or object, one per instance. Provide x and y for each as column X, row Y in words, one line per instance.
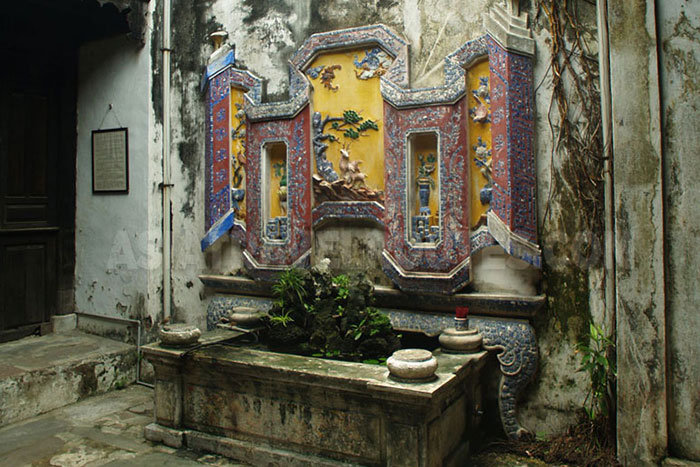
column 220, row 76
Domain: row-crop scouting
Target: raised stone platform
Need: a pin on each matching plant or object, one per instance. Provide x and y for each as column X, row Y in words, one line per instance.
column 500, row 319
column 264, row 407
column 38, row 374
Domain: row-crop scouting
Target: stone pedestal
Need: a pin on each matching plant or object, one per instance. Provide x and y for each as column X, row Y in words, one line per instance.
column 412, row 366
column 461, row 340
column 179, row 335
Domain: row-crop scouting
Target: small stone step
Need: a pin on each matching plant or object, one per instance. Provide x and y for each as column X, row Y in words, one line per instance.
column 42, row 373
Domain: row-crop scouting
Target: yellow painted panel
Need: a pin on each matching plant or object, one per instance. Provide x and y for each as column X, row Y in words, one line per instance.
column 277, row 172
column 425, row 145
column 479, row 133
column 238, row 125
column 345, row 91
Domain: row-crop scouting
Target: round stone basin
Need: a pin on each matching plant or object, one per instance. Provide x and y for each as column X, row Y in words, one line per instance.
column 246, row 317
column 412, row 365
column 179, row 335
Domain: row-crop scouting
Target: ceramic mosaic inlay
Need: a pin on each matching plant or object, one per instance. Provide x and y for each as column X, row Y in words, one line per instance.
column 513, row 165
column 225, row 147
column 443, row 265
column 278, row 250
column 423, row 187
column 475, row 189
column 347, row 140
column 479, row 127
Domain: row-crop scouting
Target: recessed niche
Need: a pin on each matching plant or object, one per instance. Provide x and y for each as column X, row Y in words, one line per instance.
column 275, row 190
column 423, row 188
column 238, row 155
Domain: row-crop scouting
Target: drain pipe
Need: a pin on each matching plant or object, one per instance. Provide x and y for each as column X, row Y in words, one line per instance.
column 166, row 185
column 610, row 320
column 138, row 340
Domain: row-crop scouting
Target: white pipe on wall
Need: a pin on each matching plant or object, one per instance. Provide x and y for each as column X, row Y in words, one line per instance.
column 167, row 184
column 606, row 116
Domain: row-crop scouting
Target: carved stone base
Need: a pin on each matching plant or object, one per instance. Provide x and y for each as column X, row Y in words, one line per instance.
column 513, row 340
column 515, row 346
column 517, row 354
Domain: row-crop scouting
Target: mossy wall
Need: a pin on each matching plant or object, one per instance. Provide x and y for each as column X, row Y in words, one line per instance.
column 679, row 35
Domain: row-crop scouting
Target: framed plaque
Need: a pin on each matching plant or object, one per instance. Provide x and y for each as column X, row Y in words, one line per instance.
column 110, row 161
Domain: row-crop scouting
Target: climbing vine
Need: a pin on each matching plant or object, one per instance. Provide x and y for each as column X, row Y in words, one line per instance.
column 574, row 112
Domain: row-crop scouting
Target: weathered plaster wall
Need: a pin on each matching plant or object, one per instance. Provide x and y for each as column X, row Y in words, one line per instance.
column 116, row 261
column 265, row 35
column 573, row 273
column 679, row 38
column 638, row 199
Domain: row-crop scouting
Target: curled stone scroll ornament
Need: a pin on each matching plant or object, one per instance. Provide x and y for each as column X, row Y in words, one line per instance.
column 517, row 354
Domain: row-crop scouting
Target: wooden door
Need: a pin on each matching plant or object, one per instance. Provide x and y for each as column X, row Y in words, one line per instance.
column 29, row 123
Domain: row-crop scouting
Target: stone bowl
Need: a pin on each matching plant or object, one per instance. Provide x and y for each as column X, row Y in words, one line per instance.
column 179, row 335
column 412, row 366
column 460, row 341
column 245, row 316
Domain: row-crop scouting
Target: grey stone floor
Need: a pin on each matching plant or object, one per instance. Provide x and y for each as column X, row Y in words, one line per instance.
column 105, row 430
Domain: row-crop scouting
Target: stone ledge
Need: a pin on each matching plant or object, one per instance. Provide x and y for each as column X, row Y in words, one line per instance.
column 480, row 304
column 161, row 434
column 672, row 462
column 255, row 453
column 64, row 323
column 38, row 374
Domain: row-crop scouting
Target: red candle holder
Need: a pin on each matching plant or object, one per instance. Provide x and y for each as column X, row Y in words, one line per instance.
column 461, row 321
column 461, row 312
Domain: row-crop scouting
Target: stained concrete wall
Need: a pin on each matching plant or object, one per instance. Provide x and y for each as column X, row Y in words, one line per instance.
column 679, row 53
column 117, row 258
column 573, row 278
column 639, row 233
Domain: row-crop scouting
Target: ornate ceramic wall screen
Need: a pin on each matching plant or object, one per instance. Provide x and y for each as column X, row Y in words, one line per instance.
column 444, row 170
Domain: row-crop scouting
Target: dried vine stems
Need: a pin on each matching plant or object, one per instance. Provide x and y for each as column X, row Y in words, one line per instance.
column 574, row 112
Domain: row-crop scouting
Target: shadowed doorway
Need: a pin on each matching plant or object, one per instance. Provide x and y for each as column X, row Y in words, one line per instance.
column 39, row 43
